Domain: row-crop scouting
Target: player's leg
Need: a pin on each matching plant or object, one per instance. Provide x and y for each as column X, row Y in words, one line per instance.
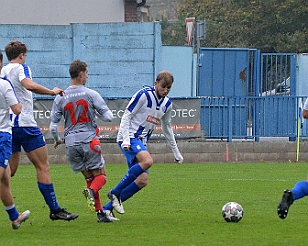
column 35, row 147
column 95, row 180
column 92, row 166
column 14, row 161
column 140, row 160
column 39, row 158
column 144, row 163
column 8, row 200
column 299, row 191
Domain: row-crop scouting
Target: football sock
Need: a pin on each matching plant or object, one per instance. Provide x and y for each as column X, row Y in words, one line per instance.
column 12, row 212
column 128, row 178
column 300, row 190
column 128, row 192
column 98, row 182
column 108, row 206
column 49, row 195
column 98, row 205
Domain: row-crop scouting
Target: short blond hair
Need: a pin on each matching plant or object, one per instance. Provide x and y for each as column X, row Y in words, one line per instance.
column 165, row 76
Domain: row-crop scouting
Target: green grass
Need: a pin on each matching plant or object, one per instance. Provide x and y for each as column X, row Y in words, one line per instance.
column 180, row 206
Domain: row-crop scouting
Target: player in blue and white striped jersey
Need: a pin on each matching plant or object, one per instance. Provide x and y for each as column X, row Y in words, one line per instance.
column 147, row 108
column 25, row 132
column 8, row 100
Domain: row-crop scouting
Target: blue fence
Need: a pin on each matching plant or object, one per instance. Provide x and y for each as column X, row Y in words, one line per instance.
column 251, row 117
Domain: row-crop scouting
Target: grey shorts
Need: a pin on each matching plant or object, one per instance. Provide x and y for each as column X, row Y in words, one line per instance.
column 85, row 156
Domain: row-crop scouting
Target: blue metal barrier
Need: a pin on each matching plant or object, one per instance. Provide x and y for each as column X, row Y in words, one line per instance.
column 251, row 117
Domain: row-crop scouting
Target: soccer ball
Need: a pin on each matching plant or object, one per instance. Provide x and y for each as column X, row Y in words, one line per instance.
column 232, row 212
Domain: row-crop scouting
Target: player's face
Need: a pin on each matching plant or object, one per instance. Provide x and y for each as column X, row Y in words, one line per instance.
column 23, row 57
column 84, row 76
column 162, row 88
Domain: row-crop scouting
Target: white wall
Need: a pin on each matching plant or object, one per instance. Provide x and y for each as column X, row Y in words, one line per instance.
column 61, row 12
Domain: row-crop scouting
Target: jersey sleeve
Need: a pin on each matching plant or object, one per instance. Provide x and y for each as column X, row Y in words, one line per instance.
column 101, row 109
column 10, row 95
column 169, row 135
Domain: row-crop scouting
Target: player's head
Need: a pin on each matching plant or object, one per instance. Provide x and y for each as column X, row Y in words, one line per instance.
column 14, row 49
column 163, row 83
column 79, row 71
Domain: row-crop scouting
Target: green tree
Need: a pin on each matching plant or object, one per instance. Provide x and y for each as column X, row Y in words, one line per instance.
column 281, row 24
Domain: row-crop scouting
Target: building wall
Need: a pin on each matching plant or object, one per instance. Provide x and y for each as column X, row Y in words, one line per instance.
column 122, row 57
column 62, row 12
column 198, row 151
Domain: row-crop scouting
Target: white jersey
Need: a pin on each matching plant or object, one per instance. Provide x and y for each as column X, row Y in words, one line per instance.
column 306, row 104
column 7, row 99
column 144, row 112
column 16, row 72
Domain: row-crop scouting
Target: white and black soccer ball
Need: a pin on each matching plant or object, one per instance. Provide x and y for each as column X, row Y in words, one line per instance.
column 232, row 212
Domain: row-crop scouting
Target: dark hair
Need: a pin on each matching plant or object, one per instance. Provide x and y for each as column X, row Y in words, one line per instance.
column 14, row 48
column 76, row 67
column 1, row 56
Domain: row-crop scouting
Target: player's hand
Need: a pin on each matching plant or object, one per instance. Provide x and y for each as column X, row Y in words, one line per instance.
column 56, row 144
column 125, row 146
column 179, row 159
column 57, row 91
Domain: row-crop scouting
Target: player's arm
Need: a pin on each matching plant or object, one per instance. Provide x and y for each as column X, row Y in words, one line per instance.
column 124, row 126
column 55, row 134
column 16, row 108
column 101, row 109
column 305, row 109
column 133, row 107
column 12, row 100
column 106, row 116
column 55, row 119
column 30, row 85
column 169, row 135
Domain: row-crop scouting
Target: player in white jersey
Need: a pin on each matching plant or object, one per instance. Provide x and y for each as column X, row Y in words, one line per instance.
column 147, row 108
column 79, row 106
column 299, row 190
column 8, row 100
column 25, row 132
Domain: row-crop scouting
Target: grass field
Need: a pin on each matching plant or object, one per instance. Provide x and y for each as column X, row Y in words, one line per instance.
column 180, row 206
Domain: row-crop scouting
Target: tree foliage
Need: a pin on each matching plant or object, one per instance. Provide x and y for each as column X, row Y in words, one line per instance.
column 281, row 24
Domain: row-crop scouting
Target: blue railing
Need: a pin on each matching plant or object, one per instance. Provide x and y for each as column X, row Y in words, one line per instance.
column 251, row 117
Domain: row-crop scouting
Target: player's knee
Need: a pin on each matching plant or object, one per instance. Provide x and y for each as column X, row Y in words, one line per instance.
column 142, row 182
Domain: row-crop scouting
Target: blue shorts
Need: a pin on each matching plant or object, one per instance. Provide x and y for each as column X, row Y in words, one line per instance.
column 136, row 146
column 29, row 138
column 5, row 148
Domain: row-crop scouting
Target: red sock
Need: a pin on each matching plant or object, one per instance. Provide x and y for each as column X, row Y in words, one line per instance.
column 98, row 205
column 98, row 182
column 89, row 181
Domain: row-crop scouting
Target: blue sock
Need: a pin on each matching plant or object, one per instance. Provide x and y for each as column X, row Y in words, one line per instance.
column 300, row 190
column 49, row 195
column 108, row 206
column 12, row 212
column 128, row 192
column 129, row 177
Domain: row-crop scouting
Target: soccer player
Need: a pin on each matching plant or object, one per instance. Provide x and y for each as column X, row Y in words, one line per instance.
column 25, row 132
column 299, row 190
column 79, row 106
column 147, row 108
column 8, row 100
